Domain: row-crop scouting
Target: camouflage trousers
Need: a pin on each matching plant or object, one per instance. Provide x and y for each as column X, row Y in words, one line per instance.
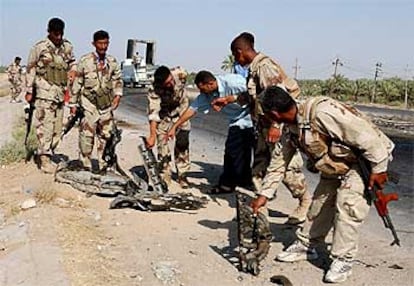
column 94, row 124
column 181, row 149
column 15, row 89
column 293, row 178
column 48, row 123
column 338, row 203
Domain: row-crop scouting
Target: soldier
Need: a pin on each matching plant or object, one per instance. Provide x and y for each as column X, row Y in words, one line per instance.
column 97, row 90
column 264, row 72
column 330, row 133
column 239, row 142
column 50, row 65
column 167, row 100
column 14, row 74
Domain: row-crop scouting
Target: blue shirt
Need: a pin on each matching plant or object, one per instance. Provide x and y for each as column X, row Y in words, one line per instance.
column 228, row 84
column 241, row 70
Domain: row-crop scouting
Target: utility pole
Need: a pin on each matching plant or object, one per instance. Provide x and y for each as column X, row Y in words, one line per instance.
column 406, row 88
column 336, row 62
column 296, row 68
column 378, row 67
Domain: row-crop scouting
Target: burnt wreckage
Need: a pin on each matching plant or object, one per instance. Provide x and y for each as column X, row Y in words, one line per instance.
column 133, row 192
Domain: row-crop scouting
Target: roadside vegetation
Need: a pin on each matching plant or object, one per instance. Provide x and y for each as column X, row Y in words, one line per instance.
column 14, row 150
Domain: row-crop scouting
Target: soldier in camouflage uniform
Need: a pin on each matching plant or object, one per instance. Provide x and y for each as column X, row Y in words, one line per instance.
column 50, row 65
column 332, row 135
column 14, row 74
column 167, row 101
column 97, row 90
column 264, row 72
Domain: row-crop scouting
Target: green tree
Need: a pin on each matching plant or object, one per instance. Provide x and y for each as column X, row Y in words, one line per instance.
column 228, row 63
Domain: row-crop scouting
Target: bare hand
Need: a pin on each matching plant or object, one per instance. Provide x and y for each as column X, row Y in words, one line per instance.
column 73, row 110
column 219, row 103
column 115, row 102
column 150, row 142
column 71, row 76
column 257, row 203
column 378, row 180
column 29, row 97
column 171, row 133
column 273, row 134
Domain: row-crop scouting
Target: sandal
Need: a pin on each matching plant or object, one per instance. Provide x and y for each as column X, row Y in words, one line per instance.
column 220, row 189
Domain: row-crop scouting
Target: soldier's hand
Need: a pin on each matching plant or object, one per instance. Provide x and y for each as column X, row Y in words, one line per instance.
column 115, row 102
column 171, row 133
column 73, row 110
column 150, row 142
column 257, row 203
column 378, row 180
column 28, row 97
column 273, row 134
column 71, row 76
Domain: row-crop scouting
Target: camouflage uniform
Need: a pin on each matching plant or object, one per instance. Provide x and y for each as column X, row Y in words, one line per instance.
column 14, row 74
column 166, row 110
column 264, row 72
column 95, row 86
column 47, row 70
column 329, row 132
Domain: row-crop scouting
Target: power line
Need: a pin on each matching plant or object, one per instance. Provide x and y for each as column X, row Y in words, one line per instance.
column 378, row 67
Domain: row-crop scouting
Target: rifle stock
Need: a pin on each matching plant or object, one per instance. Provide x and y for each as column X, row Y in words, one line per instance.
column 379, row 199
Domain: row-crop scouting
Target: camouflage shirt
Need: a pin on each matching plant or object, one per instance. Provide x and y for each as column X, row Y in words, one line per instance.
column 330, row 133
column 168, row 106
column 47, row 68
column 95, row 80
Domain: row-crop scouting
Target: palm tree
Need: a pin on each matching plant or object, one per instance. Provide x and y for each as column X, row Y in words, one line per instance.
column 228, row 63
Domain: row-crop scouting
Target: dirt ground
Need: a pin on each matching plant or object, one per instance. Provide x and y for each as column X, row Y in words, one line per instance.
column 71, row 239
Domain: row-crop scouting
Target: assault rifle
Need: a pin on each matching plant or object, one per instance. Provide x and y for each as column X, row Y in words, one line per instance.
column 72, row 120
column 379, row 199
column 28, row 110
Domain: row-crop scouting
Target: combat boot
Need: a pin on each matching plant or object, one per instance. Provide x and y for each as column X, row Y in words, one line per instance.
column 46, row 165
column 298, row 216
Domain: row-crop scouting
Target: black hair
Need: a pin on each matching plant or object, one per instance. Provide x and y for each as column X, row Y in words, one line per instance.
column 244, row 40
column 160, row 75
column 100, row 35
column 17, row 59
column 204, row 77
column 55, row 25
column 277, row 99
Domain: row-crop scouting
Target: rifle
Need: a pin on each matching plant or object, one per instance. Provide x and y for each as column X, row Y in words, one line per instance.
column 379, row 199
column 28, row 110
column 72, row 120
column 109, row 155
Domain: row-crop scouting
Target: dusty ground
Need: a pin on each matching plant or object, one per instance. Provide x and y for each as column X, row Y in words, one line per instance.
column 71, row 239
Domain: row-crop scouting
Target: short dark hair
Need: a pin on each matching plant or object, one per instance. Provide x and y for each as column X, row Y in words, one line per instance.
column 277, row 99
column 100, row 35
column 244, row 40
column 203, row 77
column 55, row 25
column 17, row 59
column 160, row 75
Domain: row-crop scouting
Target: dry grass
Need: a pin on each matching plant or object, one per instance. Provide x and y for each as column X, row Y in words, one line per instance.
column 85, row 257
column 46, row 195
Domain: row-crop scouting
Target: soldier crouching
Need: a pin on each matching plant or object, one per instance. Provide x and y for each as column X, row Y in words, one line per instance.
column 167, row 100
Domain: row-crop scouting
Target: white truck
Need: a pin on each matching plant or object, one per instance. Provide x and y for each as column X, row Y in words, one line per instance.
column 138, row 68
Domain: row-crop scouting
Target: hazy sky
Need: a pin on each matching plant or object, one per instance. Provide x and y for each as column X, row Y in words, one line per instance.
column 197, row 34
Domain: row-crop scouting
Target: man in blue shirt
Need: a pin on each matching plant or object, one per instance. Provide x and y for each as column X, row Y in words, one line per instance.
column 239, row 143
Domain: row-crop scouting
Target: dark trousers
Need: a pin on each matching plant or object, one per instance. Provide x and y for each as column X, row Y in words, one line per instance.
column 237, row 158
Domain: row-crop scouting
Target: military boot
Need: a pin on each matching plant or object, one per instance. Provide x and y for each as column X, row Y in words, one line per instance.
column 46, row 165
column 298, row 216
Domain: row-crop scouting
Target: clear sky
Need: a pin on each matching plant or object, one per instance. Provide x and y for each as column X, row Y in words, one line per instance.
column 197, row 34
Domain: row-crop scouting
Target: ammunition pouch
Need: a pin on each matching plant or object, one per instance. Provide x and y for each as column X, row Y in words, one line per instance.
column 332, row 166
column 100, row 97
